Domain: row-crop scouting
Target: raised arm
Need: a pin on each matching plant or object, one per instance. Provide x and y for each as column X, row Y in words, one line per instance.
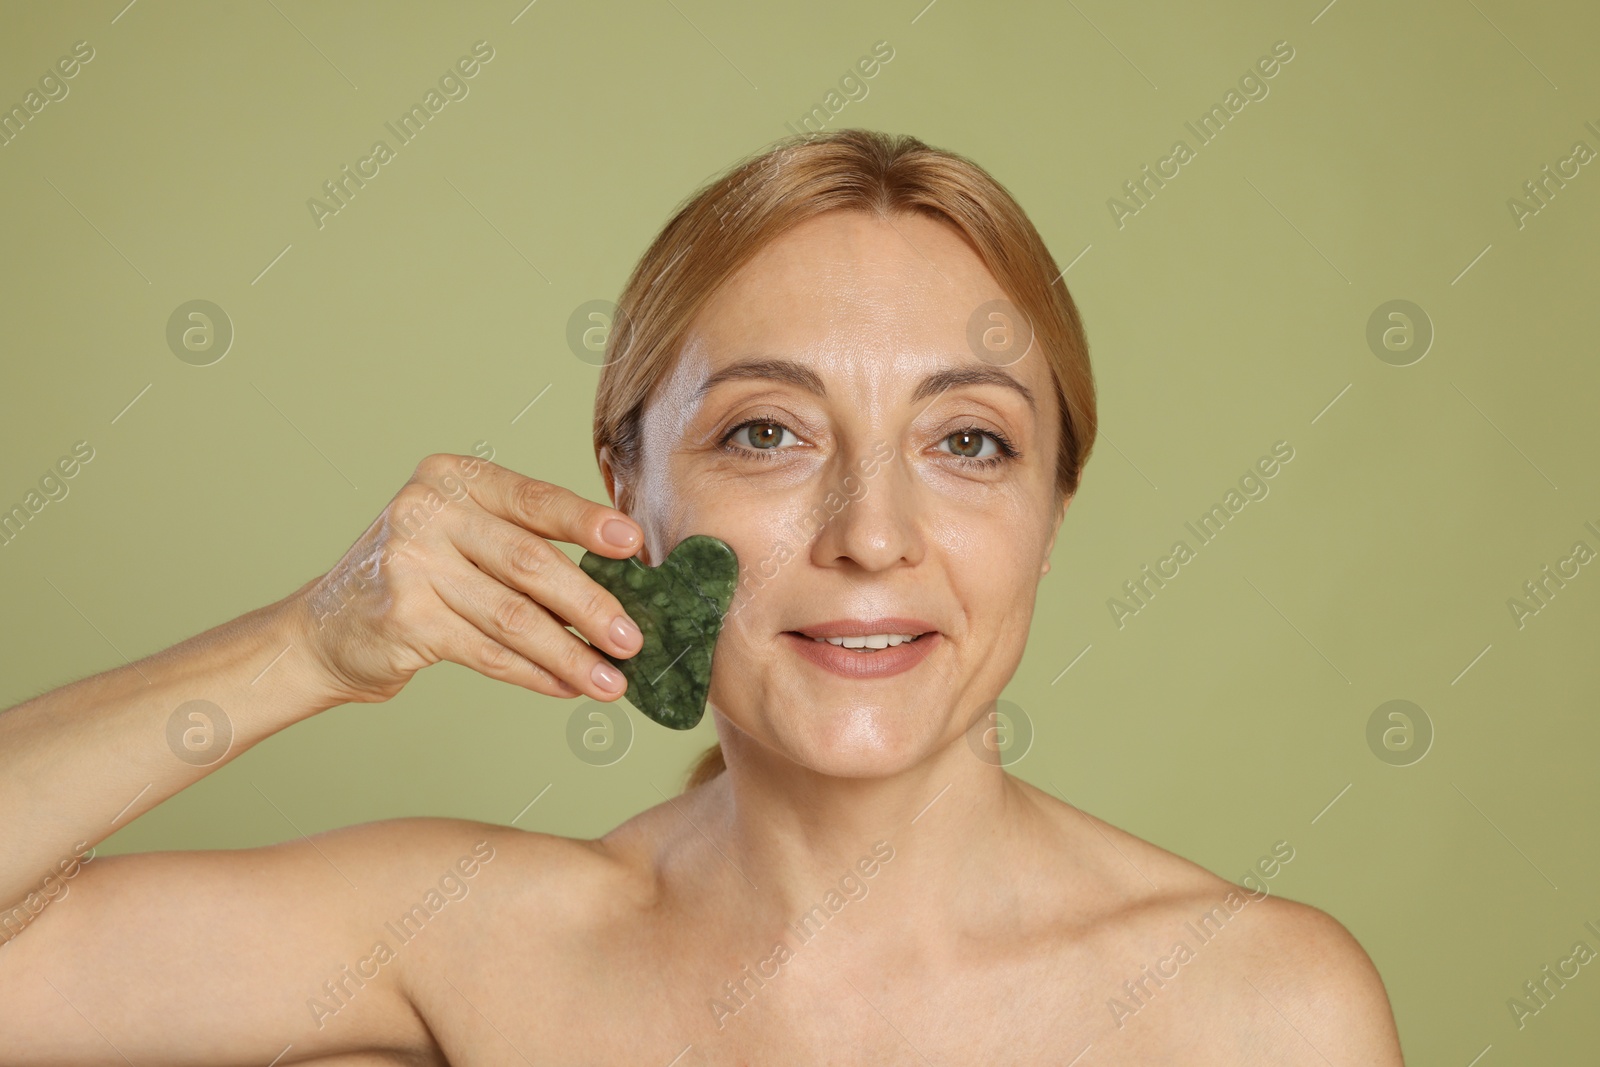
column 456, row 567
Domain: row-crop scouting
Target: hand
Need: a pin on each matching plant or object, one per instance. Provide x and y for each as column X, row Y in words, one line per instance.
column 458, row 567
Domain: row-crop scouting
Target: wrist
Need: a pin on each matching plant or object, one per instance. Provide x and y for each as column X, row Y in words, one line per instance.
column 306, row 668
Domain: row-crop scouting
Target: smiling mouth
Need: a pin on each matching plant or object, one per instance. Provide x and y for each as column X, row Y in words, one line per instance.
column 877, row 649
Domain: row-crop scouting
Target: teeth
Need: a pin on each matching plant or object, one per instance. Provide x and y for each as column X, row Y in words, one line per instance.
column 870, row 641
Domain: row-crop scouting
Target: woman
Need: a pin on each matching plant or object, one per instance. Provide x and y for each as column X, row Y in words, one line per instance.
column 852, row 359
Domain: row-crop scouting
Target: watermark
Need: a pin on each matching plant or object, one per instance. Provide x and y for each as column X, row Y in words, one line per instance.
column 1138, row 992
column 854, row 89
column 999, row 333
column 1002, row 735
column 340, row 990
column 755, row 578
column 199, row 332
column 1542, row 189
column 598, row 733
column 199, row 732
column 53, row 88
column 345, row 582
column 53, row 487
column 1542, row 588
column 1399, row 733
column 1539, row 992
column 738, row 994
column 1253, row 486
column 589, row 330
column 1252, row 84
column 54, row 887
column 1399, row 332
column 452, row 87
column 733, row 203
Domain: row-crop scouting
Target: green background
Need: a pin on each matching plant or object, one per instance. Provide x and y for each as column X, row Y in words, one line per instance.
column 1230, row 313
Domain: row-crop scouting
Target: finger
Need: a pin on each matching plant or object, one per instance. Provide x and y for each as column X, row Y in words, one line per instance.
column 510, row 618
column 528, row 563
column 461, row 642
column 555, row 512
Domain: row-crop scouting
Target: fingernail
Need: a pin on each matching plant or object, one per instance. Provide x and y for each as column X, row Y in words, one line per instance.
column 618, row 533
column 606, row 677
column 625, row 633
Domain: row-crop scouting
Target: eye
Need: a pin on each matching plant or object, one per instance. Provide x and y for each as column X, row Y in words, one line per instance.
column 758, row 435
column 969, row 444
column 983, row 447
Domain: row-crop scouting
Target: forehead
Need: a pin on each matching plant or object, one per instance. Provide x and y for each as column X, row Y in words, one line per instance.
column 843, row 270
column 845, row 285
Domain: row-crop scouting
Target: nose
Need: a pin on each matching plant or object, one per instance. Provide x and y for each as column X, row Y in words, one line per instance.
column 873, row 523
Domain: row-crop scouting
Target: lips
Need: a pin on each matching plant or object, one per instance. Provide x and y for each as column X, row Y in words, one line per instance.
column 865, row 663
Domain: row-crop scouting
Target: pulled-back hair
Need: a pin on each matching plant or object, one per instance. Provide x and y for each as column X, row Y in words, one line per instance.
column 725, row 223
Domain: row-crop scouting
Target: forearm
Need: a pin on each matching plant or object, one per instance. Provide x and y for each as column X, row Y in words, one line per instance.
column 82, row 761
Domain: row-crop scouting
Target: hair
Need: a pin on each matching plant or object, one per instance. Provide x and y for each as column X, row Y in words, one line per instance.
column 722, row 225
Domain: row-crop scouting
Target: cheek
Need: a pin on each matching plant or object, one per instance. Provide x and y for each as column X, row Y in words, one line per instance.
column 992, row 556
column 771, row 534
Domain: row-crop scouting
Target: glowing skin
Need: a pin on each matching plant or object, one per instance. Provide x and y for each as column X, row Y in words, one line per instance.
column 871, row 307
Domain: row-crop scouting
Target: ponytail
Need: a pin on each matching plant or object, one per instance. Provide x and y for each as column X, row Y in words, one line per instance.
column 708, row 766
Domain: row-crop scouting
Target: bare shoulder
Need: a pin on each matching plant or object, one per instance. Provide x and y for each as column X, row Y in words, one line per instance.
column 1147, row 879
column 1299, row 967
column 538, row 859
column 519, row 878
column 1241, row 974
column 470, row 911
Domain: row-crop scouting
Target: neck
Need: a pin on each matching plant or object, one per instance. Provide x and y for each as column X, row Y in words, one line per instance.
column 943, row 838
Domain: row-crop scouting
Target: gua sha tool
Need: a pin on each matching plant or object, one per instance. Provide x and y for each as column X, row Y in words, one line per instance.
column 679, row 607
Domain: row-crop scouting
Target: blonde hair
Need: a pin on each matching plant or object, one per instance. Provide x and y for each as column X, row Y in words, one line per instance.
column 721, row 226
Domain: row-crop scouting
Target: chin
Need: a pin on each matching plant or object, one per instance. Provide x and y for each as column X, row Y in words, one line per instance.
column 852, row 742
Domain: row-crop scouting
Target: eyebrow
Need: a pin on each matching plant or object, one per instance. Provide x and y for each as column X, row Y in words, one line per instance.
column 798, row 374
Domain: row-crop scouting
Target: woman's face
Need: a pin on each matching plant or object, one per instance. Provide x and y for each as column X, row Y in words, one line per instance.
column 804, row 425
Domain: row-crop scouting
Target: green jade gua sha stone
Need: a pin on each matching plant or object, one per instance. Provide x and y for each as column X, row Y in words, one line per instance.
column 679, row 607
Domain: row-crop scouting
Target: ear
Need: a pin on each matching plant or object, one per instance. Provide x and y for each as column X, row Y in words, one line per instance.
column 621, row 494
column 608, row 475
column 1044, row 566
column 616, row 487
